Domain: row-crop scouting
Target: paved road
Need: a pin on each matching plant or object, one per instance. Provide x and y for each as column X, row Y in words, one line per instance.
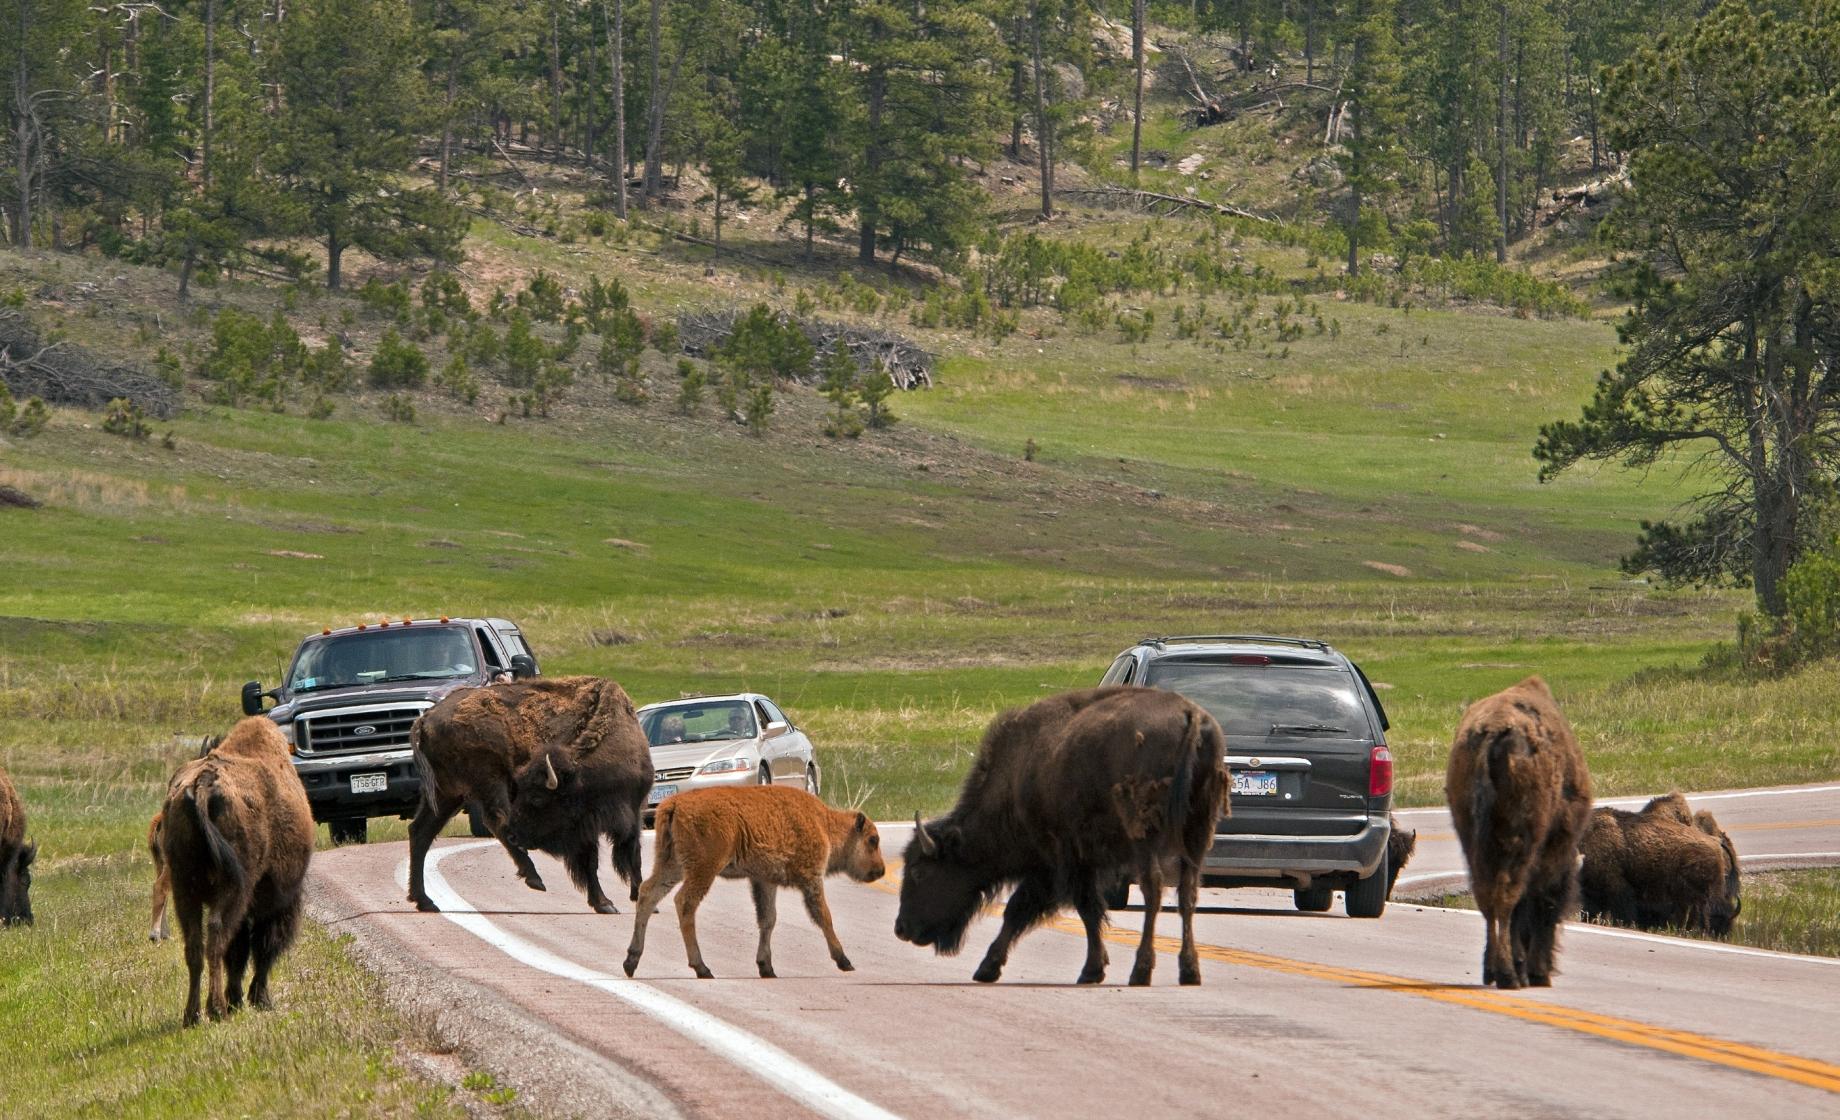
column 1303, row 1015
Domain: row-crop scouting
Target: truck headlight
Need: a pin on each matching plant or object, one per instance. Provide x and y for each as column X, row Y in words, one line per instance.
column 726, row 766
column 287, row 732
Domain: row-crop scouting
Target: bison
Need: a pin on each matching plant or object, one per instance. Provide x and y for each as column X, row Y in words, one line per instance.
column 554, row 763
column 235, row 836
column 1662, row 867
column 1065, row 796
column 772, row 836
column 1400, row 844
column 1519, row 798
column 158, row 930
column 16, row 858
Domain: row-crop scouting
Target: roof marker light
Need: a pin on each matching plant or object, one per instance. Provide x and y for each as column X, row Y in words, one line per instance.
column 325, row 630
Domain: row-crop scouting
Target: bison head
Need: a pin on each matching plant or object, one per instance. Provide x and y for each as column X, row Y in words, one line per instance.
column 548, row 805
column 860, row 856
column 941, row 889
column 1723, row 907
column 16, row 884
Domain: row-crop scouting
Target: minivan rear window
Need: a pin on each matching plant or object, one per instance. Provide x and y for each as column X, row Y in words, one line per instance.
column 1250, row 701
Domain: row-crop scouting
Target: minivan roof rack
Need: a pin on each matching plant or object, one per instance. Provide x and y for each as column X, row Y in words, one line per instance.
column 1270, row 639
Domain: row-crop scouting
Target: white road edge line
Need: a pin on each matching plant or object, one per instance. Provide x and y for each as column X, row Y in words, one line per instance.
column 1727, row 795
column 753, row 1054
column 1658, row 939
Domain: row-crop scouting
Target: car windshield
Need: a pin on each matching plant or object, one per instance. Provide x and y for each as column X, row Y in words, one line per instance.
column 699, row 723
column 375, row 657
column 1262, row 701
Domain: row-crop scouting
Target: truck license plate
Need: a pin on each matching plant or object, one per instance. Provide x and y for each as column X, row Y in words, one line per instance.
column 659, row 793
column 369, row 783
column 1254, row 783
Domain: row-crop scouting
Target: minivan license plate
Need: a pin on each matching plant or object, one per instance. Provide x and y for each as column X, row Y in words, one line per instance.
column 659, row 793
column 370, row 783
column 1254, row 783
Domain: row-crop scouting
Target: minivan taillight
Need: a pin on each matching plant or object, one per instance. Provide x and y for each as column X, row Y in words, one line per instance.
column 1379, row 771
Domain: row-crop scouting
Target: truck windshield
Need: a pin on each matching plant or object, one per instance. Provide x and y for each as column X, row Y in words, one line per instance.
column 698, row 723
column 1259, row 702
column 375, row 657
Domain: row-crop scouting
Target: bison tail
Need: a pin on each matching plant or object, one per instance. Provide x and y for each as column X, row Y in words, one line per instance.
column 226, row 867
column 1175, row 810
column 664, row 844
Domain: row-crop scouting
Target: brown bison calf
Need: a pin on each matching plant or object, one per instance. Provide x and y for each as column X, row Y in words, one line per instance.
column 1519, row 797
column 162, row 882
column 235, row 836
column 16, row 858
column 772, row 836
column 1663, row 867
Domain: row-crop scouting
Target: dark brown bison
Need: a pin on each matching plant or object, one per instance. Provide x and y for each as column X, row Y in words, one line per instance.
column 554, row 763
column 1067, row 795
column 772, row 836
column 235, row 836
column 1519, row 797
column 1400, row 844
column 1662, row 867
column 16, row 858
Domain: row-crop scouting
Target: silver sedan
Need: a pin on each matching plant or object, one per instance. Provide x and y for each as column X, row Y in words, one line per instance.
column 738, row 739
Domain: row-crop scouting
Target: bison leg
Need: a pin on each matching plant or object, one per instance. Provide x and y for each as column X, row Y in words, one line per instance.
column 766, row 913
column 1150, row 879
column 625, row 840
column 236, row 961
column 820, row 912
column 431, row 816
column 496, row 810
column 1188, row 890
column 191, row 930
column 225, row 925
column 584, row 866
column 696, row 884
column 268, row 939
column 1029, row 904
column 1546, row 909
column 162, row 886
column 665, row 875
column 1091, row 905
column 1499, row 966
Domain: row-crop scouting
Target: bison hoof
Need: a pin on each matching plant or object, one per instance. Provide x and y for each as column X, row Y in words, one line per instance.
column 1140, row 978
column 1191, row 977
column 632, row 963
column 534, row 881
column 1507, row 983
column 703, row 973
column 605, row 907
column 767, row 973
column 987, row 973
column 426, row 906
column 260, row 1002
column 1091, row 976
column 190, row 1019
column 844, row 965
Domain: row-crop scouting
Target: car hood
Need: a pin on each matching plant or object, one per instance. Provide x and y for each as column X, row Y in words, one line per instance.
column 675, row 755
column 368, row 695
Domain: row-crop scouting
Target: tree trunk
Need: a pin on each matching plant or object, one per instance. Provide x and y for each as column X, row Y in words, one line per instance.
column 1309, row 42
column 210, row 89
column 1137, row 91
column 335, row 249
column 22, row 144
column 810, row 215
column 616, row 51
column 654, row 119
column 1501, row 140
column 447, row 114
column 555, row 82
column 1016, row 92
column 1043, row 144
column 868, row 216
column 1597, row 148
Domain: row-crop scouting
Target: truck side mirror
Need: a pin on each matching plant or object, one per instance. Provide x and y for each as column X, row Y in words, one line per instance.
column 523, row 665
column 252, row 698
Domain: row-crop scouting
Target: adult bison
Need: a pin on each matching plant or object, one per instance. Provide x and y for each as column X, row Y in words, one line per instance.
column 565, row 752
column 1065, row 796
column 1662, row 867
column 1519, row 797
column 235, row 836
column 16, row 858
column 1400, row 844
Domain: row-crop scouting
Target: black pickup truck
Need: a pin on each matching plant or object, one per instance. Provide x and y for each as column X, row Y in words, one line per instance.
column 351, row 695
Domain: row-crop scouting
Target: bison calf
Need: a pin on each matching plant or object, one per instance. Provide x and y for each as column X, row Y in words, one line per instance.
column 162, row 882
column 235, row 836
column 1519, row 797
column 1662, row 867
column 16, row 858
column 772, row 836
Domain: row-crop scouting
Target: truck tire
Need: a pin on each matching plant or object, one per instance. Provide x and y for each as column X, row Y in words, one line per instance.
column 348, row 830
column 476, row 821
column 1366, row 898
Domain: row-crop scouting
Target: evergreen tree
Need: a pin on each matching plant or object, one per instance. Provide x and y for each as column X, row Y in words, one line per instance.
column 1375, row 156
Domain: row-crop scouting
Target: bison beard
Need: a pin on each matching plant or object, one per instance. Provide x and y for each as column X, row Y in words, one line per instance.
column 1066, row 795
column 516, row 741
column 1519, row 798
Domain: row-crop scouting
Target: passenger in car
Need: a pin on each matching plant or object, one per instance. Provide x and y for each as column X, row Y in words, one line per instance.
column 671, row 728
column 738, row 722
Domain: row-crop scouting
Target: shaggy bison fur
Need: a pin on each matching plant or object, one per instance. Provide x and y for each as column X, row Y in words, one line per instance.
column 1519, row 797
column 569, row 748
column 16, row 858
column 1662, row 867
column 235, row 836
column 772, row 836
column 1065, row 796
column 1400, row 844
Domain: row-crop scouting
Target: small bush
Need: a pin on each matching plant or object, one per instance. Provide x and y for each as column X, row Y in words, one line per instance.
column 689, row 386
column 873, row 389
column 542, row 299
column 31, row 419
column 524, row 352
column 458, row 379
column 664, row 337
column 399, row 408
column 398, row 364
column 124, row 418
column 1811, row 604
column 388, row 300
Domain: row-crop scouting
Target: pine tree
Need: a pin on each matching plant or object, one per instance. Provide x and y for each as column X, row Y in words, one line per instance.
column 1375, row 156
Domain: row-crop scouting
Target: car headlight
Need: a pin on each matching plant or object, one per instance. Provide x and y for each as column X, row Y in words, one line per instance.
column 287, row 732
column 726, row 766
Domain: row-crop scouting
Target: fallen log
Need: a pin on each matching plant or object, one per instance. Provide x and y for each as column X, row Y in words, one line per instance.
column 1168, row 203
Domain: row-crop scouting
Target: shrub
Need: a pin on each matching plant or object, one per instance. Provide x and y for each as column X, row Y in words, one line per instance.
column 29, row 420
column 524, row 352
column 442, row 292
column 542, row 298
column 389, row 300
column 664, row 336
column 1811, row 604
column 482, row 346
column 124, row 418
column 764, row 344
column 399, row 408
column 757, row 409
column 457, row 378
column 398, row 364
column 873, row 388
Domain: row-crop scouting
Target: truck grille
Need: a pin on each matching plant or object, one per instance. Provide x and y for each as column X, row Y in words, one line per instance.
column 674, row 774
column 350, row 730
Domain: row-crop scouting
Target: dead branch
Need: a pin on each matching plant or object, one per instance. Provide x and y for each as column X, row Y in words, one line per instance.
column 1166, row 203
column 64, row 373
column 702, row 333
column 701, row 241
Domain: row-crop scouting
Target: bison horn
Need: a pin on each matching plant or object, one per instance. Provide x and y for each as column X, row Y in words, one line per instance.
column 928, row 845
column 550, row 768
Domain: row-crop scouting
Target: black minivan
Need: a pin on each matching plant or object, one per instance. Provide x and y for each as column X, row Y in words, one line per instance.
column 1311, row 776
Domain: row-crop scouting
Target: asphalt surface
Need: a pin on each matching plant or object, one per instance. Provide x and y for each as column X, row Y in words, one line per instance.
column 1300, row 1015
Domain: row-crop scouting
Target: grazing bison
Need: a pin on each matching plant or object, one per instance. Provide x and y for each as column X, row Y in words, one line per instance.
column 16, row 858
column 772, row 836
column 1662, row 867
column 1519, row 797
column 554, row 763
column 1065, row 796
column 1400, row 844
column 235, row 836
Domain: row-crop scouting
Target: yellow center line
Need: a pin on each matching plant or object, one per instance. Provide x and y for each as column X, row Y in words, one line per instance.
column 1706, row 1048
column 1826, row 822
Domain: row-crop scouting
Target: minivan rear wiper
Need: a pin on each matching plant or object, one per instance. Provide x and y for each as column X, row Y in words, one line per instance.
column 1306, row 729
